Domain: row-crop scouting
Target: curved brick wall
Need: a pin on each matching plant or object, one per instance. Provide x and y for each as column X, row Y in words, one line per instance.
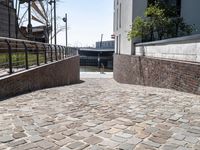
column 181, row 76
column 59, row 73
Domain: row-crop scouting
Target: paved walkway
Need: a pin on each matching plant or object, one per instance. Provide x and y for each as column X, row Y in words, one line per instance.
column 96, row 75
column 101, row 114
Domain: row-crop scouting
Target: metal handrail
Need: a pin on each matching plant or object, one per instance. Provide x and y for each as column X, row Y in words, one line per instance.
column 17, row 55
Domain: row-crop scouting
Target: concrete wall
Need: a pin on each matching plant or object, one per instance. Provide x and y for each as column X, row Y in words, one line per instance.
column 184, row 48
column 59, row 73
column 4, row 28
column 153, row 72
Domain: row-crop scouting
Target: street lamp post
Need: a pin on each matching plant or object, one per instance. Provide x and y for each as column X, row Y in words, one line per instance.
column 65, row 20
column 9, row 20
column 55, row 31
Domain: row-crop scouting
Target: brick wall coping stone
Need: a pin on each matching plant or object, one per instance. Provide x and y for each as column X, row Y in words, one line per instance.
column 187, row 39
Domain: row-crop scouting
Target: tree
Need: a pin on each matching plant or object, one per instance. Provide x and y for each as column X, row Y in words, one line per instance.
column 161, row 21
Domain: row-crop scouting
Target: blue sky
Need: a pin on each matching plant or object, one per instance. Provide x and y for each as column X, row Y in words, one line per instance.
column 87, row 20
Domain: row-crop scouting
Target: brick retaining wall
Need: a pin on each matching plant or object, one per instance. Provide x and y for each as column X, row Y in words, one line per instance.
column 59, row 73
column 181, row 76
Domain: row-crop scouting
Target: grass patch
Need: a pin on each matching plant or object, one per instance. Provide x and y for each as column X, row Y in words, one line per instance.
column 19, row 60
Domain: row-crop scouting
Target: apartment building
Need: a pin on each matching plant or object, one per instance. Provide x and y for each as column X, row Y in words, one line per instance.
column 125, row 11
column 170, row 63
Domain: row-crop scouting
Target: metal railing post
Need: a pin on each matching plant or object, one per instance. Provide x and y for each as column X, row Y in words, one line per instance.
column 66, row 52
column 63, row 52
column 37, row 54
column 45, row 54
column 56, row 52
column 60, row 54
column 51, row 53
column 26, row 55
column 10, row 57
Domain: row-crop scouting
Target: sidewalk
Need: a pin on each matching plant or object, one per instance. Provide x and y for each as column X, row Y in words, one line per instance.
column 96, row 75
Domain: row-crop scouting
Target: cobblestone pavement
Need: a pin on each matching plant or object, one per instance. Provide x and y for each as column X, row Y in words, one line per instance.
column 101, row 114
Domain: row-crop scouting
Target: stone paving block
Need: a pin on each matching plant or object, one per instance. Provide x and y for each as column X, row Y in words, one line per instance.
column 179, row 137
column 17, row 143
column 150, row 143
column 90, row 124
column 57, row 137
column 95, row 147
column 169, row 147
column 122, row 127
column 175, row 117
column 82, row 128
column 108, row 143
column 93, row 140
column 134, row 140
column 112, row 131
column 183, row 148
column 6, row 139
column 19, row 135
column 42, row 130
column 126, row 146
column 110, row 123
column 63, row 142
column 105, row 135
column 75, row 145
column 191, row 139
column 157, row 140
column 177, row 142
column 163, row 126
column 144, row 147
column 85, row 134
column 124, row 135
column 45, row 144
column 26, row 146
column 163, row 134
column 35, row 138
column 64, row 148
column 69, row 132
column 38, row 148
column 142, row 134
column 83, row 147
column 77, row 137
column 118, row 139
column 196, row 147
column 19, row 129
column 183, row 120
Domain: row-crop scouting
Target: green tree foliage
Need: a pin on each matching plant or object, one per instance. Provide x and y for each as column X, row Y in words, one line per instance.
column 161, row 21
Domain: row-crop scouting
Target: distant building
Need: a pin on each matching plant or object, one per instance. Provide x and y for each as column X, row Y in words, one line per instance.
column 6, row 13
column 101, row 55
column 125, row 12
column 105, row 45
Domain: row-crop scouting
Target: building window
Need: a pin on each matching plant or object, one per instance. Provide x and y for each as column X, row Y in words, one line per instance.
column 120, row 15
column 117, row 19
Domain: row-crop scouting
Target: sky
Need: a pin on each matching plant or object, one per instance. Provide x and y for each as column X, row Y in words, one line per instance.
column 87, row 20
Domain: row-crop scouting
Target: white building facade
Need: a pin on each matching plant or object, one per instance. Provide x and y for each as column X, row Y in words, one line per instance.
column 125, row 12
